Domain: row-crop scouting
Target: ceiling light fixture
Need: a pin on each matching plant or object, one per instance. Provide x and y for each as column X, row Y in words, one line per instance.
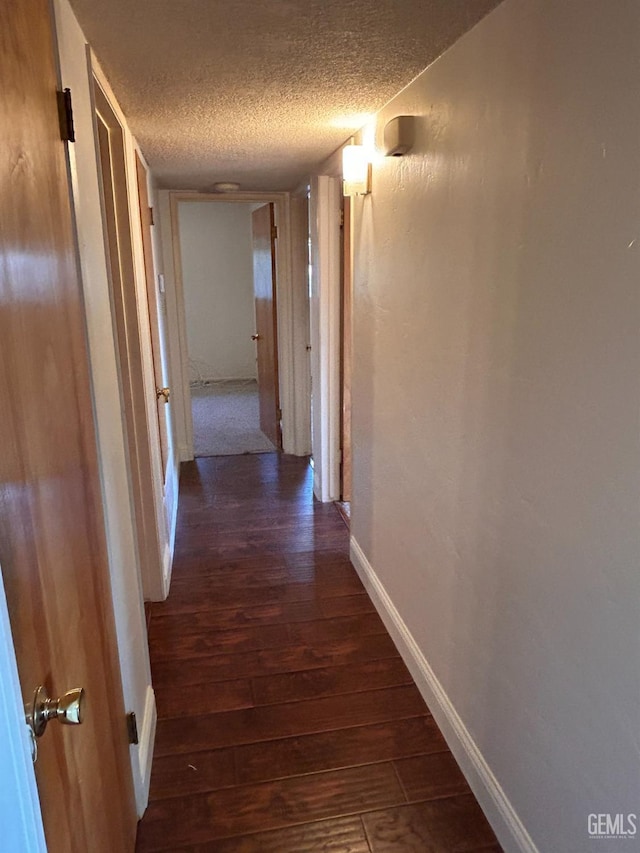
column 225, row 187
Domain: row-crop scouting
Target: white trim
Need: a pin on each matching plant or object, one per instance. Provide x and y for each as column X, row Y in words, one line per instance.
column 325, row 335
column 285, row 313
column 182, row 398
column 152, row 576
column 167, row 566
column 142, row 754
column 171, row 493
column 20, row 816
column 492, row 798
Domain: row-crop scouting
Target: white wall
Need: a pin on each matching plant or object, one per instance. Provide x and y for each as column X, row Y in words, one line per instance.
column 496, row 408
column 217, row 277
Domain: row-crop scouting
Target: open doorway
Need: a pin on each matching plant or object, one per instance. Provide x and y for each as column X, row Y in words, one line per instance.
column 228, row 271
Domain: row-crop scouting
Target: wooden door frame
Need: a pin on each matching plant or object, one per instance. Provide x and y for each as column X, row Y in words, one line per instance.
column 293, row 441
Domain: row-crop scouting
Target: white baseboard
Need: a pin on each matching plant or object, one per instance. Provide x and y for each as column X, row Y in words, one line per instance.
column 167, row 566
column 143, row 755
column 185, row 453
column 493, row 800
column 172, row 484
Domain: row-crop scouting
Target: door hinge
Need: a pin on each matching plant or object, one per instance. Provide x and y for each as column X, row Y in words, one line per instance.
column 132, row 727
column 342, row 217
column 151, row 222
column 278, row 414
column 274, row 232
column 65, row 114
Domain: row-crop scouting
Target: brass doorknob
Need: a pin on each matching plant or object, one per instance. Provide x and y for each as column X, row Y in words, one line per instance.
column 255, row 337
column 163, row 392
column 68, row 709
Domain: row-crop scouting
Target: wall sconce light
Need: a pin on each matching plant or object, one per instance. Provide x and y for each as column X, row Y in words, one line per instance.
column 356, row 171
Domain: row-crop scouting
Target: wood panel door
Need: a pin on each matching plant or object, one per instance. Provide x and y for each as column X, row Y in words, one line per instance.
column 264, row 287
column 155, row 306
column 52, row 541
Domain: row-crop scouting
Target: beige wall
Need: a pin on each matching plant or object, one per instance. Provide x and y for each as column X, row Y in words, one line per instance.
column 495, row 406
column 217, row 277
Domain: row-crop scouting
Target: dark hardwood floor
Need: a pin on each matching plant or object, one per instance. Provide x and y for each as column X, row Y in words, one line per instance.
column 287, row 722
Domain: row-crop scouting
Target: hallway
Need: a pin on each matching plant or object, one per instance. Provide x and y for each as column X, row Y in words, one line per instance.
column 287, row 720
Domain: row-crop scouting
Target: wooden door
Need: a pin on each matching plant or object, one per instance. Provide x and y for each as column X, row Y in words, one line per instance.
column 52, row 542
column 264, row 287
column 155, row 308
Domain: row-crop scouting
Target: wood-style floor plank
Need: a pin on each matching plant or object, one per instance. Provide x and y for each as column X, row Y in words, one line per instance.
column 270, row 805
column 452, row 825
column 338, row 835
column 425, row 777
column 271, row 722
column 212, row 641
column 175, row 701
column 192, row 773
column 287, row 721
column 393, row 739
column 178, row 625
column 263, row 661
column 330, row 681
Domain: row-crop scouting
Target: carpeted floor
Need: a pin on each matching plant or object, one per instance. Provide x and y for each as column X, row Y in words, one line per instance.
column 226, row 419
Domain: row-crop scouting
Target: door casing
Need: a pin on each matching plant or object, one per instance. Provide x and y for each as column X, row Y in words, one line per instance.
column 295, row 438
column 138, row 409
column 156, row 313
column 324, row 222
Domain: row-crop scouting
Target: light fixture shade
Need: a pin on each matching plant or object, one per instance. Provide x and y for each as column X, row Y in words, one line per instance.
column 356, row 170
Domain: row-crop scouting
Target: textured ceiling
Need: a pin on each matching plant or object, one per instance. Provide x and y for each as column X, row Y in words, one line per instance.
column 260, row 91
